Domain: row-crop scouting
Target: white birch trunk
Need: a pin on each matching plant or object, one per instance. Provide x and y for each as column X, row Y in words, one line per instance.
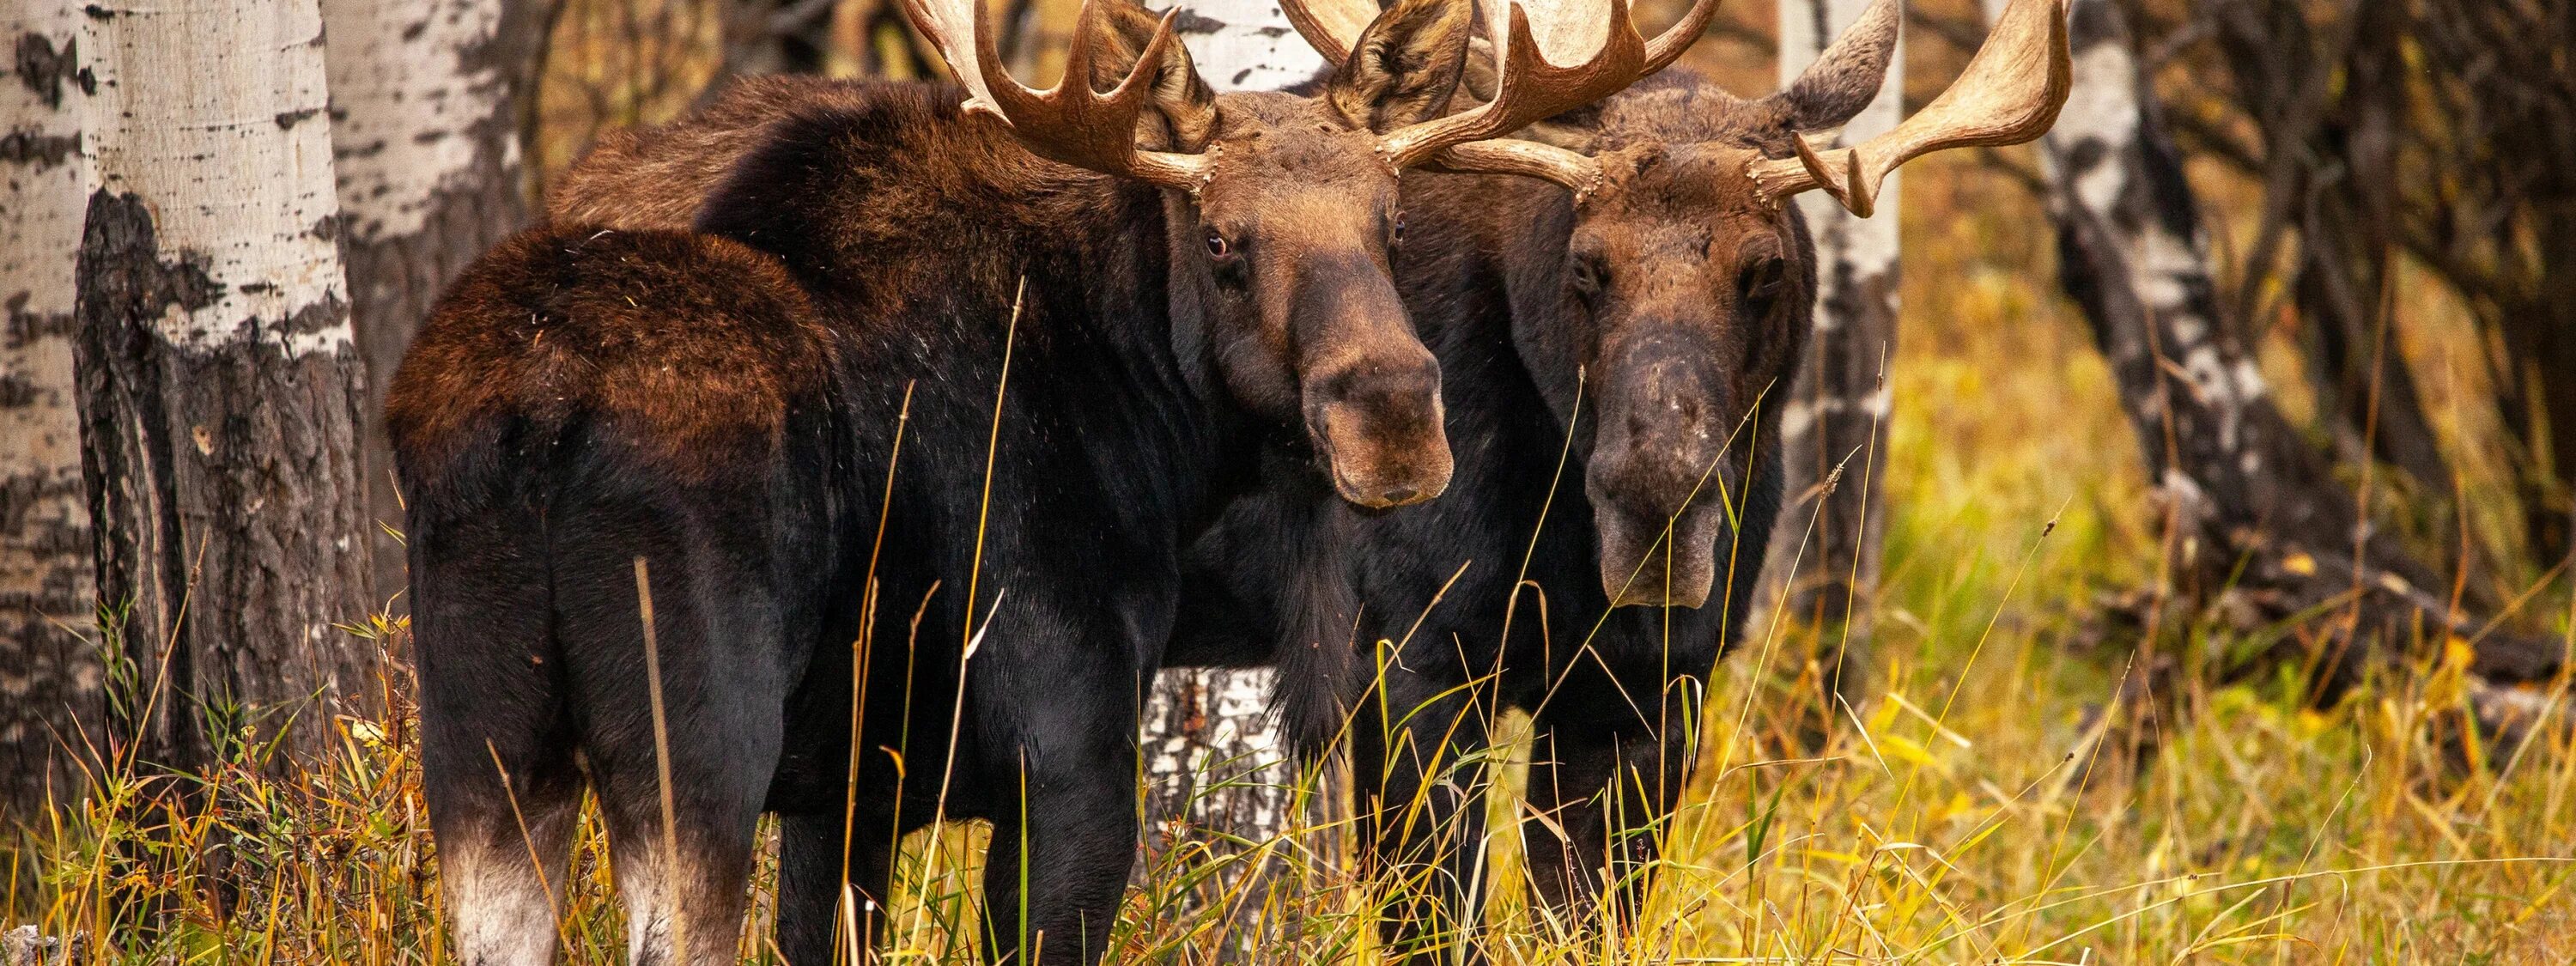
column 1245, row 45
column 50, row 678
column 220, row 385
column 1836, row 413
column 425, row 104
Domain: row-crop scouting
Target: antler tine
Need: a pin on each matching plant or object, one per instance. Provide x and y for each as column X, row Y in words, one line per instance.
column 1572, row 169
column 1332, row 27
column 1068, row 123
column 2009, row 94
column 1528, row 88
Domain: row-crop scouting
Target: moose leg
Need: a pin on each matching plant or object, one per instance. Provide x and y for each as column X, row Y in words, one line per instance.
column 1061, row 855
column 1421, row 820
column 1602, row 791
column 502, row 814
column 497, row 766
column 684, row 896
column 682, row 857
column 680, row 728
column 1073, row 843
column 811, row 864
column 1058, row 766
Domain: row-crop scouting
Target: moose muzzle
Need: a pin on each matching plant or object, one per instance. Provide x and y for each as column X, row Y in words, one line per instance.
column 1658, row 480
column 1372, row 397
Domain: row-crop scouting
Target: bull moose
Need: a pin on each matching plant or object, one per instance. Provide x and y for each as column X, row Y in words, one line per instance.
column 1648, row 298
column 987, row 364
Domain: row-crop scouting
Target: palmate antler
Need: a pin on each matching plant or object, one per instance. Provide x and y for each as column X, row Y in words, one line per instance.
column 1070, row 122
column 2009, row 94
column 1597, row 35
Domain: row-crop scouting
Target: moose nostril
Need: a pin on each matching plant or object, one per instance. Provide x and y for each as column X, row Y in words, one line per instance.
column 1399, row 495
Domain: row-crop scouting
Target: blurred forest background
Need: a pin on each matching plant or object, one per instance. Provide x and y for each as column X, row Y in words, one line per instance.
column 2384, row 195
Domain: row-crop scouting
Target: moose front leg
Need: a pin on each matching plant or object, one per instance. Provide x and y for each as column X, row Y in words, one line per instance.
column 1421, row 822
column 1056, row 869
column 815, row 861
column 1602, row 791
column 1055, row 716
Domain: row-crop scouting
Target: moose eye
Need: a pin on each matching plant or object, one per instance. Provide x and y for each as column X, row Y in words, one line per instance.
column 1395, row 233
column 1218, row 247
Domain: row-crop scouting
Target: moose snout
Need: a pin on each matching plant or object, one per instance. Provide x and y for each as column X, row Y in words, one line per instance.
column 1656, row 482
column 1377, row 424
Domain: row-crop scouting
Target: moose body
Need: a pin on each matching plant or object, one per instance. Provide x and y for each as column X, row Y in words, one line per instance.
column 863, row 502
column 1617, row 349
column 1500, row 594
column 760, row 520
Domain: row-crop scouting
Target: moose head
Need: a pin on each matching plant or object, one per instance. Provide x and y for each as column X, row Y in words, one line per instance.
column 1283, row 210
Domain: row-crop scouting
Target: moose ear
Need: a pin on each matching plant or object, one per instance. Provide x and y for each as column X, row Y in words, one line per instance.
column 1184, row 114
column 1846, row 77
column 1405, row 65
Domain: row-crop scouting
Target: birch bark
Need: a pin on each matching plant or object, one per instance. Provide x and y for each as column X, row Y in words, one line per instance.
column 426, row 101
column 220, row 387
column 50, row 677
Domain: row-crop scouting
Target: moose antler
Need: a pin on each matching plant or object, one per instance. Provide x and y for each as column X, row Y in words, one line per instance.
column 1528, row 88
column 1598, row 34
column 1069, row 122
column 2009, row 94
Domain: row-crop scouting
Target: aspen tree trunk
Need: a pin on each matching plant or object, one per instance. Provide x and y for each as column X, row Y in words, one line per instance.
column 426, row 103
column 1246, row 45
column 1216, row 764
column 220, row 388
column 2253, row 513
column 51, row 699
column 1834, row 425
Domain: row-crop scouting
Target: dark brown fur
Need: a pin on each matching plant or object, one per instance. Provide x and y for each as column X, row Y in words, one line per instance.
column 869, row 273
column 617, row 324
column 1658, row 323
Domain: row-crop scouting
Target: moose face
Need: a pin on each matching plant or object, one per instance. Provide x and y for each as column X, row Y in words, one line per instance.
column 1295, row 230
column 1686, row 297
column 1688, row 281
